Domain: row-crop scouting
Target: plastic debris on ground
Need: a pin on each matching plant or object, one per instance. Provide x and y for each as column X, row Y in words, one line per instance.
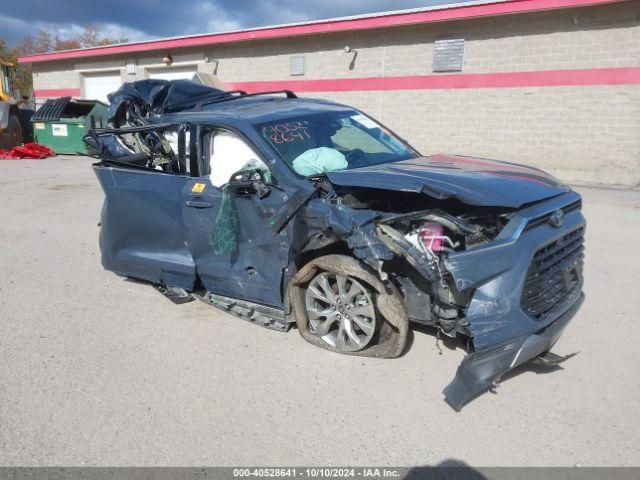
column 28, row 151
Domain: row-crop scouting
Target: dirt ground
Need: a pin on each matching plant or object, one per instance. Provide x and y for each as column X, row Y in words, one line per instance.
column 97, row 370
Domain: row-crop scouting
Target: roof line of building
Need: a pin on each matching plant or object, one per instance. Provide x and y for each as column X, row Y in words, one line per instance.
column 439, row 13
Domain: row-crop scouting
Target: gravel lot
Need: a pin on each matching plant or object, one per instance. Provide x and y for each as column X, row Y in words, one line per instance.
column 97, row 370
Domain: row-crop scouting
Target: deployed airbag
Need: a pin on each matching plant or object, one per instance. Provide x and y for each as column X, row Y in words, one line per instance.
column 319, row 160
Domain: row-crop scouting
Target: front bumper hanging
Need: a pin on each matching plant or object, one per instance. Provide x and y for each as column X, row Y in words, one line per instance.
column 482, row 369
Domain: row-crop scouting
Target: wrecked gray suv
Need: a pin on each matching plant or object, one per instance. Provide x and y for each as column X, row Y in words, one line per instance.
column 283, row 210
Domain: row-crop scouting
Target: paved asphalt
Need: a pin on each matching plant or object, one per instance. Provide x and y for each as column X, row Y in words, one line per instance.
column 97, row 370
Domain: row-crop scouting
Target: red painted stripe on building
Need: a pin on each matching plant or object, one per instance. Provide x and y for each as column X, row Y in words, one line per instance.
column 57, row 92
column 549, row 78
column 328, row 26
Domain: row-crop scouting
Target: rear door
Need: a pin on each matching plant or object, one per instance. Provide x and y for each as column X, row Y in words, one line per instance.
column 142, row 232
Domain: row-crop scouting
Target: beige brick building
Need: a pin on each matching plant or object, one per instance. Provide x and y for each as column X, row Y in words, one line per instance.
column 555, row 84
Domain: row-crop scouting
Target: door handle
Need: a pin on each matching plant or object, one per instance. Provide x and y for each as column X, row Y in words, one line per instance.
column 199, row 204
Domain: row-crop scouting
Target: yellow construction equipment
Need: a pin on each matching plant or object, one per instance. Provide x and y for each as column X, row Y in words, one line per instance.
column 14, row 122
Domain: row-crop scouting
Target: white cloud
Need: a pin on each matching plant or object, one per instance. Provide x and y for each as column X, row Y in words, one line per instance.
column 277, row 12
column 107, row 30
column 15, row 29
column 213, row 17
column 112, row 30
column 189, row 17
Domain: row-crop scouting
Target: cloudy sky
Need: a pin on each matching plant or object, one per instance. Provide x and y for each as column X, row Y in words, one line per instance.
column 148, row 19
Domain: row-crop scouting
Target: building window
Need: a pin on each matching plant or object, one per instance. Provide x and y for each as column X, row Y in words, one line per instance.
column 448, row 55
column 296, row 67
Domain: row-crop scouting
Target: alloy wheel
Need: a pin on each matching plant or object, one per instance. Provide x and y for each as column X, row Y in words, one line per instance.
column 340, row 311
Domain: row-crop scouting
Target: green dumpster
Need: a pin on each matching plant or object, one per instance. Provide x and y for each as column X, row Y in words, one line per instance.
column 61, row 123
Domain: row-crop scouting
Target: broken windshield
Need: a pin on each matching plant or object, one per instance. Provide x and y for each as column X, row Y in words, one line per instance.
column 326, row 142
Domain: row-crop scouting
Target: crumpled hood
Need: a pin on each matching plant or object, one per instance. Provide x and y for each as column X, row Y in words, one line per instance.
column 474, row 181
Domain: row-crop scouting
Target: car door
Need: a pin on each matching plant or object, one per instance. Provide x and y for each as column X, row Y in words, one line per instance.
column 237, row 253
column 142, row 232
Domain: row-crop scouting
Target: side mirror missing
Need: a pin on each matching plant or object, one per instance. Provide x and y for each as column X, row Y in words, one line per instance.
column 248, row 182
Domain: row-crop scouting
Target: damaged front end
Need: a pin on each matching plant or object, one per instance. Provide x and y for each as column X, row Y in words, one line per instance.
column 508, row 279
column 527, row 285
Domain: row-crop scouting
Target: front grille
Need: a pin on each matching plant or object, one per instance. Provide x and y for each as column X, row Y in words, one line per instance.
column 545, row 218
column 554, row 278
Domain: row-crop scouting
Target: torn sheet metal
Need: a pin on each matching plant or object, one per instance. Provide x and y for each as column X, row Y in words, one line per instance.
column 147, row 98
column 483, row 369
column 356, row 227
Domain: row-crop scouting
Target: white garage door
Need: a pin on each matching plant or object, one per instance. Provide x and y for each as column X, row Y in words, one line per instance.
column 178, row 73
column 97, row 86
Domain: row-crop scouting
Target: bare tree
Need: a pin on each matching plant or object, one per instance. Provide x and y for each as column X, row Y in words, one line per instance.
column 92, row 37
column 44, row 42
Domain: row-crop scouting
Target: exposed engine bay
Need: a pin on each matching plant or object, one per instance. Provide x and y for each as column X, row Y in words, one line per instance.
column 420, row 240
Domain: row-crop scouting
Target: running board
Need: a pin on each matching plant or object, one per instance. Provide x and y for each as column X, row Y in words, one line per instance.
column 267, row 317
column 175, row 294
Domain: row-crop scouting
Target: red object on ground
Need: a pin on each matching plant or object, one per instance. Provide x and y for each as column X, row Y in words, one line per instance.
column 28, row 150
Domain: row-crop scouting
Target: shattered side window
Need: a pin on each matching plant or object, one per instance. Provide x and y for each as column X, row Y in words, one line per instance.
column 153, row 147
column 330, row 141
column 171, row 136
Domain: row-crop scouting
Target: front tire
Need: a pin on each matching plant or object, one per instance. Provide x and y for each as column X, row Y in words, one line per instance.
column 340, row 305
column 12, row 135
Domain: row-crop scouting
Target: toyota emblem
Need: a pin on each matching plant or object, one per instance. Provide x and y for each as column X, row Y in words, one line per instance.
column 556, row 219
